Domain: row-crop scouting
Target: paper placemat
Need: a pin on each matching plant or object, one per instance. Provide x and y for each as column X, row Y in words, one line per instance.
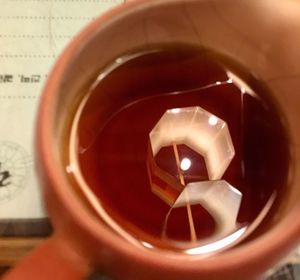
column 32, row 35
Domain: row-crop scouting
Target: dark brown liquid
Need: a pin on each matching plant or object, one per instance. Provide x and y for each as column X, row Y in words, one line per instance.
column 124, row 107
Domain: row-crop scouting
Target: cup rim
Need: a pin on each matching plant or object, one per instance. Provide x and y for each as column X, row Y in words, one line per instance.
column 259, row 253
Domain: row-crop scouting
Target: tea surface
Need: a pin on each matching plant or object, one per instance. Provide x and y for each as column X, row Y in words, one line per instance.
column 181, row 149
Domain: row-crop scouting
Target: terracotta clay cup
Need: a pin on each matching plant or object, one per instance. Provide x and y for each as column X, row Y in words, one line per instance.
column 264, row 36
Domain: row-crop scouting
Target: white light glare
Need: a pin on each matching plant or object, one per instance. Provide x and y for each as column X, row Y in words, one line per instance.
column 218, row 245
column 147, row 245
column 119, row 60
column 175, row 110
column 185, row 164
column 213, row 120
column 69, row 169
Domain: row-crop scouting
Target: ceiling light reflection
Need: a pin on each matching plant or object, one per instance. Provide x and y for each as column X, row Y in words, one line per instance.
column 185, row 164
column 218, row 245
column 175, row 110
column 213, row 120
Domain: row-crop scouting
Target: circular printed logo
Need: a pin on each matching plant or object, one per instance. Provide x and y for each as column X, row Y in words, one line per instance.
column 14, row 170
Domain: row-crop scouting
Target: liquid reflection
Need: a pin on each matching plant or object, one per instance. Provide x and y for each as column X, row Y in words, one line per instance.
column 176, row 189
column 185, row 164
column 218, row 245
column 209, row 136
column 190, row 126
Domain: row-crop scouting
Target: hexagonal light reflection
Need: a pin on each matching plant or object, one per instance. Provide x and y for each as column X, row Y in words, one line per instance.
column 219, row 198
column 200, row 130
column 209, row 136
